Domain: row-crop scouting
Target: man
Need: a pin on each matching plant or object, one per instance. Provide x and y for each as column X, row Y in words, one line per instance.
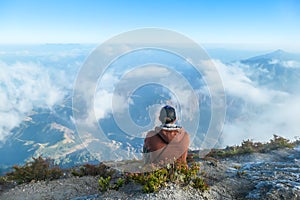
column 168, row 142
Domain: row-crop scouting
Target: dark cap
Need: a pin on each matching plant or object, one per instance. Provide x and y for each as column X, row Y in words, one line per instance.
column 167, row 115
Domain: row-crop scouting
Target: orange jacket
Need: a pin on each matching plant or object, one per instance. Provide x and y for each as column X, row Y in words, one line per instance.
column 167, row 144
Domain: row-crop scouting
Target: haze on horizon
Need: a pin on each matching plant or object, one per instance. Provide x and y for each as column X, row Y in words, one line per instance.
column 258, row 25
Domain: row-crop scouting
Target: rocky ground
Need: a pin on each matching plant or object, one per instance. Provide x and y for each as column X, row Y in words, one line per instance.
column 275, row 175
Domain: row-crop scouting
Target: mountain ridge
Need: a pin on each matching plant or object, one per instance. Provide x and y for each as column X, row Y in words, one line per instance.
column 277, row 54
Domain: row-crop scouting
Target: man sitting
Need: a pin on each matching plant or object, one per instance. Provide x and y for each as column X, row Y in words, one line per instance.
column 168, row 142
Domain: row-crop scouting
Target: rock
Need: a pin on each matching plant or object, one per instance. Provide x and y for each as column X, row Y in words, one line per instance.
column 275, row 175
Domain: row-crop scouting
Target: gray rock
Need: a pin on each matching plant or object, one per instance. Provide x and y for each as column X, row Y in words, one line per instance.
column 275, row 175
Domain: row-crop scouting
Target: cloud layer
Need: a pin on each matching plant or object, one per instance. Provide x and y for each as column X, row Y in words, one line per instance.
column 262, row 111
column 253, row 111
column 23, row 87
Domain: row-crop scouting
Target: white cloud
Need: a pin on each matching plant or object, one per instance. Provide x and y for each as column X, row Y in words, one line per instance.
column 154, row 71
column 237, row 84
column 264, row 111
column 114, row 96
column 102, row 104
column 24, row 86
column 274, row 119
column 286, row 63
column 291, row 64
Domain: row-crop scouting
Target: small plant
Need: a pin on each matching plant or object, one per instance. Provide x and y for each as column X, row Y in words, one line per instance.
column 172, row 173
column 198, row 183
column 249, row 146
column 5, row 183
column 105, row 184
column 36, row 170
column 237, row 167
column 120, row 182
column 93, row 170
column 3, row 180
column 241, row 173
column 279, row 142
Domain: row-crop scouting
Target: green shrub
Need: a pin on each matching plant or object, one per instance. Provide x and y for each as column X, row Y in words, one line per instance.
column 155, row 180
column 249, row 146
column 105, row 184
column 93, row 170
column 120, row 182
column 198, row 183
column 172, row 173
column 36, row 170
column 3, row 180
column 279, row 142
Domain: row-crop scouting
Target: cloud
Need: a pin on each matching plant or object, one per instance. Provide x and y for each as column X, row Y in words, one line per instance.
column 238, row 84
column 103, row 104
column 24, row 86
column 274, row 119
column 285, row 63
column 261, row 113
column 154, row 71
column 291, row 64
column 114, row 86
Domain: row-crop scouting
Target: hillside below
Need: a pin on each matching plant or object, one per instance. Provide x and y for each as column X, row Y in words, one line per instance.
column 272, row 175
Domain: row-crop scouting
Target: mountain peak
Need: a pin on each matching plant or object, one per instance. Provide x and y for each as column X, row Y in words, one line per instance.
column 278, row 54
column 278, row 51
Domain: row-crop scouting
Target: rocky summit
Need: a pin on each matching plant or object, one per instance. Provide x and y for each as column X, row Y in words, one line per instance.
column 272, row 175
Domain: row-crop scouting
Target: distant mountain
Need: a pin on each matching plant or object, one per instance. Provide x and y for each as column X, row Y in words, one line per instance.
column 278, row 70
column 275, row 55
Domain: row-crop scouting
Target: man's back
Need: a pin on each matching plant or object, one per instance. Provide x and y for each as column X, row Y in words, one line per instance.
column 167, row 143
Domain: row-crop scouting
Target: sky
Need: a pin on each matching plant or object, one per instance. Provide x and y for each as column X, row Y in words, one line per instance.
column 218, row 24
column 272, row 23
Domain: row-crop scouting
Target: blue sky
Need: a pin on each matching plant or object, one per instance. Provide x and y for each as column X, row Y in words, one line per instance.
column 253, row 23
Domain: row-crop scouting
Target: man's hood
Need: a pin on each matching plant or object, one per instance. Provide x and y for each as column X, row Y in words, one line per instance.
column 170, row 132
